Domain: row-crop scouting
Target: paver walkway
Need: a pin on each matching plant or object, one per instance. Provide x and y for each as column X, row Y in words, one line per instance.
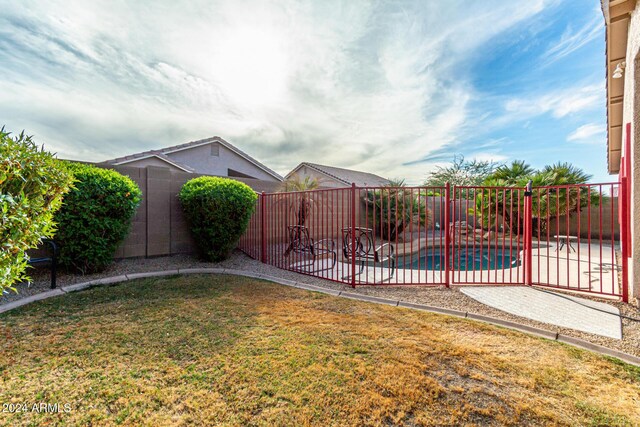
column 555, row 309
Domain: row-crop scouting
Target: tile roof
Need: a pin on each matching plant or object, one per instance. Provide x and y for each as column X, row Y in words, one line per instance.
column 346, row 176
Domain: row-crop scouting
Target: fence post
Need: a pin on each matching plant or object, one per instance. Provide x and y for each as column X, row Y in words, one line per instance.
column 624, row 239
column 528, row 234
column 263, row 240
column 447, row 232
column 353, row 235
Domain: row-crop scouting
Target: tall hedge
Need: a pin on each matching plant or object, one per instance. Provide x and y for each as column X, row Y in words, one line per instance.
column 32, row 184
column 219, row 211
column 95, row 217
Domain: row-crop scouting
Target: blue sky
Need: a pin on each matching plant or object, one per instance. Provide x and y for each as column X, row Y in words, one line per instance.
column 395, row 88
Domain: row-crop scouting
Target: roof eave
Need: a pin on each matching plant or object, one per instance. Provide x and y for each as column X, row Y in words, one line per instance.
column 124, row 162
column 248, row 158
column 616, row 15
column 195, row 144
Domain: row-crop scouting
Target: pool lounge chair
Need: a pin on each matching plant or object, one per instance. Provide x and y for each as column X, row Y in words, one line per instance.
column 365, row 251
column 309, row 251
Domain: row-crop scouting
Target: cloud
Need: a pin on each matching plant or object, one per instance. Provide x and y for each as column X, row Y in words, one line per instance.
column 571, row 40
column 559, row 103
column 586, row 133
column 490, row 157
column 367, row 85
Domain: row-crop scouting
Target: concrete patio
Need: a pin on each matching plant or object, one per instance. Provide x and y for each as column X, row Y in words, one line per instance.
column 560, row 310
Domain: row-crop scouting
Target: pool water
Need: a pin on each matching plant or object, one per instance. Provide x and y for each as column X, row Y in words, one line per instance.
column 463, row 260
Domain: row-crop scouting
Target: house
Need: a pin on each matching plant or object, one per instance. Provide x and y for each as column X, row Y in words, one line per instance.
column 211, row 156
column 333, row 177
column 622, row 21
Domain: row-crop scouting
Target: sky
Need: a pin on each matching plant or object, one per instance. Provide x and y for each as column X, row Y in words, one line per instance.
column 395, row 88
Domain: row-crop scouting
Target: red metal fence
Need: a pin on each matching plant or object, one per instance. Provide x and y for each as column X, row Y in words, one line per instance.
column 575, row 234
column 489, row 248
column 565, row 237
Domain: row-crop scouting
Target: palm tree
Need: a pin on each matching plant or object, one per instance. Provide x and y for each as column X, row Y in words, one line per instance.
column 296, row 184
column 547, row 203
column 551, row 203
column 300, row 201
column 394, row 208
column 512, row 174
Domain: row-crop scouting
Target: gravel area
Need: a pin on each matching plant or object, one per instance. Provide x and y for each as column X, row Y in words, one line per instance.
column 440, row 296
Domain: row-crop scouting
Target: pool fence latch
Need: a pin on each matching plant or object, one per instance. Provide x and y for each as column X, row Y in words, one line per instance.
column 528, row 191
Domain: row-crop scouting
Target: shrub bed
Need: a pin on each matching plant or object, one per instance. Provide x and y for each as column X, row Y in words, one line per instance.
column 219, row 211
column 32, row 183
column 95, row 217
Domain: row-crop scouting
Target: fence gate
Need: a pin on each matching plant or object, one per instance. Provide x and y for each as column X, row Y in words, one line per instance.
column 575, row 238
column 565, row 237
column 487, row 235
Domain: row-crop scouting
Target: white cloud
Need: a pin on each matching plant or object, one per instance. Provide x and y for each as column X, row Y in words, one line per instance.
column 489, row 157
column 573, row 40
column 366, row 85
column 591, row 133
column 559, row 103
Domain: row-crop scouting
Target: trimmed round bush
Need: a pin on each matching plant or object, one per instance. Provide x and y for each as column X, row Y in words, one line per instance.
column 218, row 210
column 32, row 183
column 95, row 217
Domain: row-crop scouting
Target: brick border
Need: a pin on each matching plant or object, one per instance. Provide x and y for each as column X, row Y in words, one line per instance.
column 543, row 333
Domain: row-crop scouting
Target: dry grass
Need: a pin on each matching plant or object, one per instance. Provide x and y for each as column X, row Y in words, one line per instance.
column 222, row 350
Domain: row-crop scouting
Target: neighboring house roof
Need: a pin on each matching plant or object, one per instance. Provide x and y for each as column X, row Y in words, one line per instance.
column 345, row 176
column 147, row 154
column 162, row 155
column 617, row 15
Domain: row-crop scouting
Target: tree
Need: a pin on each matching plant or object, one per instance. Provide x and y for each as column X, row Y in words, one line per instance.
column 300, row 201
column 303, row 202
column 461, row 172
column 296, row 184
column 511, row 174
column 549, row 201
column 565, row 173
column 394, row 208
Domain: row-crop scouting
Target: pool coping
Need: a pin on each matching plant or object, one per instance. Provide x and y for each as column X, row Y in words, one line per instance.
column 539, row 332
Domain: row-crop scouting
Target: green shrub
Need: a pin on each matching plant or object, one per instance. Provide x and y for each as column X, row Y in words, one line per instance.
column 219, row 211
column 95, row 217
column 32, row 184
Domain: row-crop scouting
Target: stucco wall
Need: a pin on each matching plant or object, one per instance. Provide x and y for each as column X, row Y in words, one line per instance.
column 631, row 114
column 201, row 159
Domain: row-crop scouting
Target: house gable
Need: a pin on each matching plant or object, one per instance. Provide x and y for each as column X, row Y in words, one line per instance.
column 337, row 177
column 155, row 160
column 324, row 180
column 211, row 156
column 214, row 158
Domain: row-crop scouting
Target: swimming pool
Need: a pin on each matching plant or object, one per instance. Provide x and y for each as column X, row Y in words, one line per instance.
column 468, row 259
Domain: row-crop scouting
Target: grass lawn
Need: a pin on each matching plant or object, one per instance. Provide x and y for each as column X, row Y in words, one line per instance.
column 224, row 350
